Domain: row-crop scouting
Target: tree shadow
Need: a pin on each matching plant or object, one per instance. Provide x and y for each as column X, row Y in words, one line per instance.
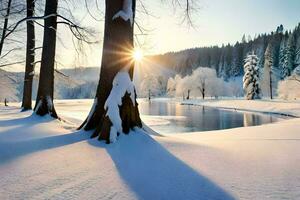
column 154, row 173
column 21, row 127
column 22, row 137
column 13, row 150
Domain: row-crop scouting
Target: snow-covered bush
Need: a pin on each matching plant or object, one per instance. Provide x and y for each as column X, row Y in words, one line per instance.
column 233, row 87
column 251, row 77
column 289, row 88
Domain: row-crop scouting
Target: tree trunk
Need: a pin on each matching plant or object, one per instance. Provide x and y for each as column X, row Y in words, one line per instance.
column 29, row 68
column 117, row 55
column 5, row 26
column 271, row 89
column 44, row 101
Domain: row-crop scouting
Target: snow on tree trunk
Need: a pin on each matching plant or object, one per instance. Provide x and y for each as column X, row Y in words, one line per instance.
column 251, row 77
column 44, row 101
column 116, row 109
column 29, row 68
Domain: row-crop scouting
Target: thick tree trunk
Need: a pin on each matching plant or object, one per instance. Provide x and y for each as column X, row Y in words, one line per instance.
column 29, row 68
column 116, row 57
column 44, row 101
column 5, row 24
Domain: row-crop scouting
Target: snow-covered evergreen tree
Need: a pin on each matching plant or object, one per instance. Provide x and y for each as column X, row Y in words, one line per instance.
column 251, row 77
column 297, row 47
column 289, row 56
column 282, row 54
column 268, row 69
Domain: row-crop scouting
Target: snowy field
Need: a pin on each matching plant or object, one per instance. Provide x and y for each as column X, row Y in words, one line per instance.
column 41, row 158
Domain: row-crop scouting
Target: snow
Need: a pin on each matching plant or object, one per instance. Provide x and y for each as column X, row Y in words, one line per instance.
column 92, row 109
column 126, row 13
column 290, row 108
column 41, row 159
column 121, row 84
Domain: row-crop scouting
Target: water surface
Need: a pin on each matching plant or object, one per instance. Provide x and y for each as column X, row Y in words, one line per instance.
column 172, row 117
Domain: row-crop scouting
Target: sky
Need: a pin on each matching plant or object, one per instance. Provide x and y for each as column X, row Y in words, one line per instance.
column 215, row 22
column 224, row 21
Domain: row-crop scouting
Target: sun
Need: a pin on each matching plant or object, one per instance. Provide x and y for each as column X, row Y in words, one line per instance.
column 138, row 55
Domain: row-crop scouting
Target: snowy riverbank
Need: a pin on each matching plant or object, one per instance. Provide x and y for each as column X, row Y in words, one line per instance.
column 41, row 159
column 291, row 108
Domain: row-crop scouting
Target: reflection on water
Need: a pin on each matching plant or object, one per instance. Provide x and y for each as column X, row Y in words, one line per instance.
column 170, row 117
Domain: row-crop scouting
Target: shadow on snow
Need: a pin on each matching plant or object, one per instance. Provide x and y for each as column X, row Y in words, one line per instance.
column 152, row 172
column 149, row 170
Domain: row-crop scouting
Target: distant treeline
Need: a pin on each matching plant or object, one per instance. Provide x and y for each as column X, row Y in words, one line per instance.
column 228, row 60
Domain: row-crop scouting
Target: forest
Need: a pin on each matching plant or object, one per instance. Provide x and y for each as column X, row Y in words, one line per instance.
column 228, row 60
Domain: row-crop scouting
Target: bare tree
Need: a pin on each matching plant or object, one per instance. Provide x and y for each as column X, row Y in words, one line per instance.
column 30, row 55
column 44, row 100
column 5, row 24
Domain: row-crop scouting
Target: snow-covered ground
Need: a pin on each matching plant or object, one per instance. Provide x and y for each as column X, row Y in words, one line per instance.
column 41, row 158
column 291, row 108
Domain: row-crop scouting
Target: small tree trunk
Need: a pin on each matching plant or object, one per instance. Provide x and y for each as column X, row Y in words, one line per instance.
column 29, row 69
column 188, row 94
column 203, row 93
column 117, row 55
column 5, row 26
column 149, row 95
column 271, row 89
column 44, row 101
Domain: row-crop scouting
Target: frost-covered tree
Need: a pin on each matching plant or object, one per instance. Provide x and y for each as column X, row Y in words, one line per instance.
column 268, row 69
column 153, row 83
column 171, row 85
column 202, row 82
column 289, row 57
column 251, row 77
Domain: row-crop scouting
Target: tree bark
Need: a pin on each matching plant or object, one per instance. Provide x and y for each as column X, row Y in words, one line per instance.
column 44, row 101
column 5, row 26
column 29, row 68
column 117, row 55
column 271, row 89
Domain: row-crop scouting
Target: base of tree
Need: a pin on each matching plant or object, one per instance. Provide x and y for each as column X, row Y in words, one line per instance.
column 129, row 115
column 24, row 109
column 45, row 106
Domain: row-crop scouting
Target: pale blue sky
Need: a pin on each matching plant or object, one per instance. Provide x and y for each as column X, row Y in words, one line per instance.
column 223, row 21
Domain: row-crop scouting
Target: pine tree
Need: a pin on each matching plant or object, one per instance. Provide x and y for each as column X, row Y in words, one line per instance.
column 297, row 47
column 251, row 77
column 289, row 57
column 268, row 69
column 282, row 54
